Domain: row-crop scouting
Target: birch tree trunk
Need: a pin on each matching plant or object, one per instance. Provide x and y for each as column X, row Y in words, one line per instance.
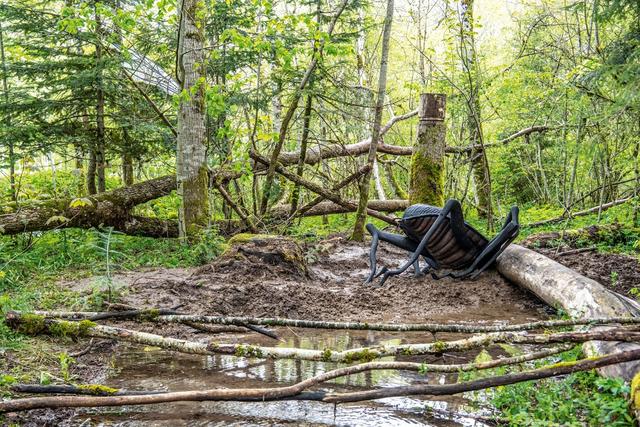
column 191, row 161
column 361, row 214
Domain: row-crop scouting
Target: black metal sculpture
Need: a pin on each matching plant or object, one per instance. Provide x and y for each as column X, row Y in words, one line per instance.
column 446, row 242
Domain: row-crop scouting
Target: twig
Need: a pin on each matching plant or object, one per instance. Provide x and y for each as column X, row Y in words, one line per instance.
column 577, row 251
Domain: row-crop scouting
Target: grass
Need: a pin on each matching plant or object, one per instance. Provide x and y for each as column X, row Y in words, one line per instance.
column 579, row 399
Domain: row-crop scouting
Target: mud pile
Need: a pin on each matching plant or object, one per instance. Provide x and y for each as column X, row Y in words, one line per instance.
column 278, row 277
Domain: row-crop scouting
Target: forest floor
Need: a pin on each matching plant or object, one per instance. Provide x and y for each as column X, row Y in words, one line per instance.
column 278, row 277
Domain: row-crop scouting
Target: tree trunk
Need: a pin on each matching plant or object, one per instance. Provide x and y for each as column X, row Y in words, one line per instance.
column 480, row 164
column 191, row 163
column 7, row 121
column 295, row 195
column 361, row 214
column 100, row 131
column 127, row 161
column 578, row 295
column 427, row 162
column 292, row 108
column 91, row 171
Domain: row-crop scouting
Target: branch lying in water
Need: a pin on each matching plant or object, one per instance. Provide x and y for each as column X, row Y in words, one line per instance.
column 297, row 391
column 389, row 327
column 33, row 324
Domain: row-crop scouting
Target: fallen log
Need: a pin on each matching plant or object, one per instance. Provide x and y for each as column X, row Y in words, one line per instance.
column 459, row 328
column 34, row 325
column 577, row 295
column 105, row 209
column 318, row 189
column 297, row 391
column 327, row 208
column 317, row 154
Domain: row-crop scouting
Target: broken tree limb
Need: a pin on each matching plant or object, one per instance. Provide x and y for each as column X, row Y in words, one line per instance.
column 148, row 314
column 316, row 154
column 327, row 208
column 327, row 194
column 354, row 176
column 585, row 212
column 460, row 328
column 319, row 153
column 297, row 391
column 490, row 382
column 83, row 389
column 108, row 209
column 579, row 296
column 34, row 325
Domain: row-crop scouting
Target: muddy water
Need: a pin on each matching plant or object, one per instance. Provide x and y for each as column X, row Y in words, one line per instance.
column 241, row 285
column 154, row 369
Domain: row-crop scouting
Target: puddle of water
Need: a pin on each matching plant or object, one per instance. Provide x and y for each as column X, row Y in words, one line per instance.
column 151, row 369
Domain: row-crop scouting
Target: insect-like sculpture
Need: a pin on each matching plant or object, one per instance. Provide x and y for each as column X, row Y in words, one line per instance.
column 449, row 246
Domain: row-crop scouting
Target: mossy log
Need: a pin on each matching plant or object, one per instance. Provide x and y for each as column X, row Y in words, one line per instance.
column 33, row 324
column 111, row 208
column 577, row 295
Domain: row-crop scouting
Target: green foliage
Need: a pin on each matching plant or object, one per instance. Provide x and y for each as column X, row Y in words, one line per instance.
column 583, row 398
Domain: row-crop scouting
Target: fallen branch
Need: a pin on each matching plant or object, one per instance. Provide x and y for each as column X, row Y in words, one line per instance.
column 578, row 251
column 33, row 325
column 490, row 382
column 296, row 391
column 327, row 194
column 84, row 389
column 317, row 154
column 327, row 208
column 361, row 326
column 523, row 132
column 585, row 212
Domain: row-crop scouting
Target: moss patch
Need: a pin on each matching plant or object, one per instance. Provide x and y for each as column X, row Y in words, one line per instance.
column 98, row 390
column 64, row 328
column 427, row 180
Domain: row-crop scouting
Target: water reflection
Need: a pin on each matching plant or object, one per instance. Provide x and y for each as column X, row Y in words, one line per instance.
column 155, row 369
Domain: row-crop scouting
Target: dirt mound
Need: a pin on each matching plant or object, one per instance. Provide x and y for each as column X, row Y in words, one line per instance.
column 268, row 276
column 260, row 255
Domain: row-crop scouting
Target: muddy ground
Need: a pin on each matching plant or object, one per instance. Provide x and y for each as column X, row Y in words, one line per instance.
column 618, row 272
column 323, row 281
column 277, row 278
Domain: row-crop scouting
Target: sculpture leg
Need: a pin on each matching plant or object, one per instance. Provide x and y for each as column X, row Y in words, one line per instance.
column 397, row 240
column 451, row 205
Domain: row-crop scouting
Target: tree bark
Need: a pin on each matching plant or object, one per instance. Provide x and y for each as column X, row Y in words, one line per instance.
column 295, row 194
column 365, row 181
column 480, row 164
column 578, row 295
column 7, row 121
column 100, row 130
column 191, row 160
column 266, row 194
column 427, row 162
column 109, row 209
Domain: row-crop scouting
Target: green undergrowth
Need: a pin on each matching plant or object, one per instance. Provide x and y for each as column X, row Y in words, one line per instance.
column 579, row 399
column 32, row 266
